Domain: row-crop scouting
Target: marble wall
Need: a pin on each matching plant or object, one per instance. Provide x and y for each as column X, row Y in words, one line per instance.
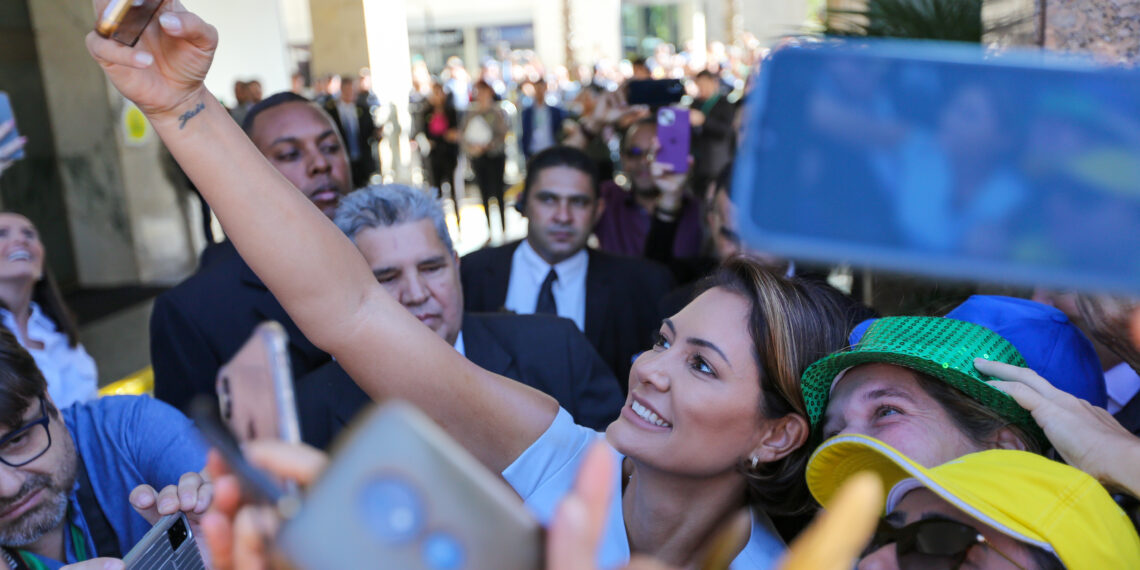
column 1107, row 29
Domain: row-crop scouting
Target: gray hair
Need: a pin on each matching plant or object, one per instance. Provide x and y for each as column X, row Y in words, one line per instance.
column 385, row 205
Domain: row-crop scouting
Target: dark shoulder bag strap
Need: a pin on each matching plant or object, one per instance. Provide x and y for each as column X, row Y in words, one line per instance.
column 106, row 541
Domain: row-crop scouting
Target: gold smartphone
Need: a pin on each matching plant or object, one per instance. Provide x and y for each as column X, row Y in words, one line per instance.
column 400, row 493
column 125, row 20
column 255, row 388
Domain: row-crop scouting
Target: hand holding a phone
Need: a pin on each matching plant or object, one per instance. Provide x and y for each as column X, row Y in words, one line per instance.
column 240, row 534
column 164, row 72
column 10, row 150
column 192, row 495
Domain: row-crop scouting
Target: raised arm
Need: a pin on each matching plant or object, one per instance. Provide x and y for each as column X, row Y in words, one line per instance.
column 307, row 263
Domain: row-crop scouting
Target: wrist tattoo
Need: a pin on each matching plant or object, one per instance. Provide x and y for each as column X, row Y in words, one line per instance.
column 189, row 115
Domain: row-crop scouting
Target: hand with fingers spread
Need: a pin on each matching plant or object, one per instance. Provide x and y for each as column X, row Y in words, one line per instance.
column 239, row 534
column 192, row 496
column 1086, row 436
column 164, row 73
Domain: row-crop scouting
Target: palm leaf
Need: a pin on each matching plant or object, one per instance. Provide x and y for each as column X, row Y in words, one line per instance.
column 951, row 20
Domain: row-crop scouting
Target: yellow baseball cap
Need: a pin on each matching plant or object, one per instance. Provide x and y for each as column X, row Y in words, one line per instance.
column 1025, row 496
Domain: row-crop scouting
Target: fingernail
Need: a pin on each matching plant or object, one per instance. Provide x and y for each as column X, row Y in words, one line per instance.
column 168, row 504
column 143, row 58
column 170, row 22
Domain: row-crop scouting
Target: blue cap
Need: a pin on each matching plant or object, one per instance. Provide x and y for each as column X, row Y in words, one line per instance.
column 1052, row 345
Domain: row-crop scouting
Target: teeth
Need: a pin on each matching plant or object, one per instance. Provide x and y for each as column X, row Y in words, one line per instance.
column 19, row 256
column 649, row 416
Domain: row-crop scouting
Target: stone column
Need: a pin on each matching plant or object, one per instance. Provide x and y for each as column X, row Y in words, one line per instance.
column 1107, row 29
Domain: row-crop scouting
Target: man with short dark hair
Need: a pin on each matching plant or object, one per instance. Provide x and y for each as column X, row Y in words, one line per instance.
column 541, row 123
column 612, row 299
column 200, row 324
column 402, row 235
column 67, row 476
column 357, row 130
column 714, row 130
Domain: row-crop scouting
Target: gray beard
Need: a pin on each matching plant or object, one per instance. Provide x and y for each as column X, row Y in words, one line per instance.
column 32, row 525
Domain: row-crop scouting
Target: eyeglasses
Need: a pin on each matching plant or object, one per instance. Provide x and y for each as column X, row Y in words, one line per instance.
column 932, row 543
column 28, row 442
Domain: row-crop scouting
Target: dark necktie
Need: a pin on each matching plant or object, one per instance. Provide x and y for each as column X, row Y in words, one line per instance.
column 546, row 304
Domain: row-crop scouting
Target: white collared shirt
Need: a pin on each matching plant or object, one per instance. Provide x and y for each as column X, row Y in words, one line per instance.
column 1122, row 384
column 528, row 271
column 70, row 372
column 459, row 345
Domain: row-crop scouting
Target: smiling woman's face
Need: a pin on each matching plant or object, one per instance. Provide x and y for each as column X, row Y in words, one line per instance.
column 694, row 399
column 21, row 251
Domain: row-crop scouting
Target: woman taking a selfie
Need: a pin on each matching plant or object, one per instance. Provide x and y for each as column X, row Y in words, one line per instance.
column 714, row 421
column 32, row 308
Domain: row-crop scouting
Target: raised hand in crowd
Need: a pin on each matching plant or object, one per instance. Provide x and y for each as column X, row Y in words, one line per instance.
column 1086, row 436
column 9, row 149
column 239, row 534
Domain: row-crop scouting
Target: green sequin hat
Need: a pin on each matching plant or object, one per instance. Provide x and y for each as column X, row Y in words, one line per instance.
column 942, row 348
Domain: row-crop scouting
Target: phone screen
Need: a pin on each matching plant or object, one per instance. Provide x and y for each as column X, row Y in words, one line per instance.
column 946, row 161
column 6, row 114
column 125, row 20
column 654, row 92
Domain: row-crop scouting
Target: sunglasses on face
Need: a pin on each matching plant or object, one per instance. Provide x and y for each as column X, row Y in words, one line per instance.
column 931, row 543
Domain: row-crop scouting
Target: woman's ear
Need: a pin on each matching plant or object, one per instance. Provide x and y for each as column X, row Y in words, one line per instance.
column 782, row 437
column 1006, row 438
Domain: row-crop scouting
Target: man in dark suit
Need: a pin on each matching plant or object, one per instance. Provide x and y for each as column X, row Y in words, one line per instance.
column 714, row 131
column 200, row 324
column 357, row 129
column 614, row 300
column 541, row 123
column 402, row 235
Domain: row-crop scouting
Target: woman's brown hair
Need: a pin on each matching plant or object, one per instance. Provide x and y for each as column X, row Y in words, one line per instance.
column 792, row 323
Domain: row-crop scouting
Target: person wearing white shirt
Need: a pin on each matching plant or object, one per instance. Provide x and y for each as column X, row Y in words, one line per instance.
column 614, row 300
column 32, row 308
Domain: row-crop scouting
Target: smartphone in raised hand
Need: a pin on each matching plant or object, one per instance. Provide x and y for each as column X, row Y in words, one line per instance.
column 674, row 135
column 255, row 388
column 400, row 493
column 125, row 20
column 6, row 114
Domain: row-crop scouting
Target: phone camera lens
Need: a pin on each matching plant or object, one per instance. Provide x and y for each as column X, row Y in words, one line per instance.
column 392, row 509
column 441, row 551
column 177, row 534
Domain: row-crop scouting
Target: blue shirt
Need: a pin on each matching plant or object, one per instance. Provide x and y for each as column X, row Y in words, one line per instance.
column 546, row 471
column 126, row 441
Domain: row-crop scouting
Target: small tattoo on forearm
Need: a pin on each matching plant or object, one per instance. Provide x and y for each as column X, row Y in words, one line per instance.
column 190, row 115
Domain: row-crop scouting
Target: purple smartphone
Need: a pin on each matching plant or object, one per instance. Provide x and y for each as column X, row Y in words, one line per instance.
column 673, row 133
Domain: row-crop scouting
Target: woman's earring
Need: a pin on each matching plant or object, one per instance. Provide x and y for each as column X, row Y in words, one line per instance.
column 755, row 460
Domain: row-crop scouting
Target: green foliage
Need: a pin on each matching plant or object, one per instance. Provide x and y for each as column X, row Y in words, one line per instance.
column 951, row 20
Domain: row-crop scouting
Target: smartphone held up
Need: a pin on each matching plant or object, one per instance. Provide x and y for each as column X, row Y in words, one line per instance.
column 125, row 20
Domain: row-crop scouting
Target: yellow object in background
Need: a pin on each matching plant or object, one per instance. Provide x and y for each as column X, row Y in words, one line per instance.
column 140, row 383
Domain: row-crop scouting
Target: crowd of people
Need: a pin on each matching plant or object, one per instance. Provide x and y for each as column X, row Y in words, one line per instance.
column 638, row 395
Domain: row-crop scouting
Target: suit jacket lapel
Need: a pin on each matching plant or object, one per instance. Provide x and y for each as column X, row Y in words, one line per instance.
column 481, row 347
column 597, row 297
column 499, row 277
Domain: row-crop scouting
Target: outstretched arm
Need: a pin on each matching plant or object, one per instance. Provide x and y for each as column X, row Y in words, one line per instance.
column 310, row 267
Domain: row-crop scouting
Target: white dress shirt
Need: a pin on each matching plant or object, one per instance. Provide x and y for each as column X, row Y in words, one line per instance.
column 459, row 344
column 70, row 372
column 542, row 133
column 528, row 271
column 1122, row 384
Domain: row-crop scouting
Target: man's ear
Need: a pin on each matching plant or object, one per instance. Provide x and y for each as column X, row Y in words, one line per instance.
column 781, row 437
column 1006, row 438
